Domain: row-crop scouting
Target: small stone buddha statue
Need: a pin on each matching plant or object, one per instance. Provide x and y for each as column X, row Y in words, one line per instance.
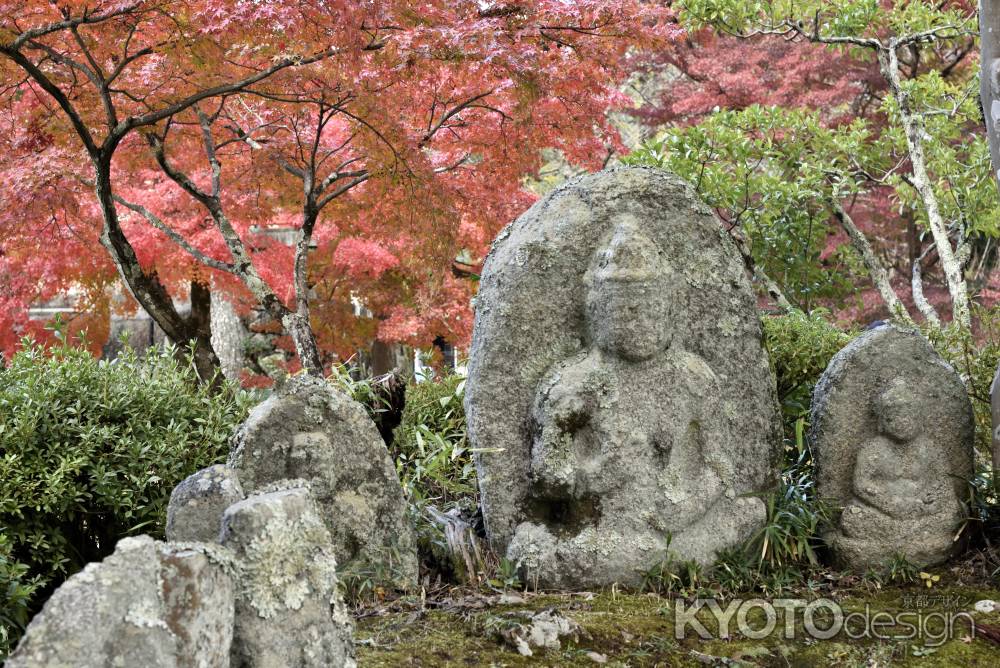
column 898, row 487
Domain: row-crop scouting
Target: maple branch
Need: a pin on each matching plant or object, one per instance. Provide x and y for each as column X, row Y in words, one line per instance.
column 343, row 189
column 74, row 117
column 329, row 153
column 296, row 323
column 156, row 116
column 457, row 109
column 321, row 120
column 94, row 65
column 158, row 223
column 788, row 27
column 213, row 161
column 245, row 137
column 63, row 59
column 448, row 168
column 96, row 75
column 377, row 133
column 156, row 142
column 243, row 266
column 125, row 62
column 914, row 130
column 84, row 19
column 338, row 174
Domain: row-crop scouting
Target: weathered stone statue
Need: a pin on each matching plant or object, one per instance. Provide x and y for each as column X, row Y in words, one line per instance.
column 618, row 391
column 153, row 604
column 308, row 431
column 198, row 502
column 892, row 436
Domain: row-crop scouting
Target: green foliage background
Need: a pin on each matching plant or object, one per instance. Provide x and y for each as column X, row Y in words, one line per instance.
column 89, row 453
column 431, row 446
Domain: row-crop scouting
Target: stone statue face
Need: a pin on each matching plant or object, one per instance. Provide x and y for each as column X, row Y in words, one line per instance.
column 628, row 313
column 898, row 412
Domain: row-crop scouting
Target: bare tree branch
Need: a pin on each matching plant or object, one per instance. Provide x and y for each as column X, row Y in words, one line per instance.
column 158, row 223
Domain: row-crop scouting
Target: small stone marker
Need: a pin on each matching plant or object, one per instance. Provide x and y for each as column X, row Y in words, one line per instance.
column 309, row 431
column 197, row 503
column 289, row 613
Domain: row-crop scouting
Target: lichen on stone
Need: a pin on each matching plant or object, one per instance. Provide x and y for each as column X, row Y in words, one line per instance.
column 285, row 484
column 287, row 562
column 221, row 556
column 144, row 614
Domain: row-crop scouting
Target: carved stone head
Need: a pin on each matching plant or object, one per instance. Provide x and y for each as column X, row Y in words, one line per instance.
column 898, row 412
column 628, row 297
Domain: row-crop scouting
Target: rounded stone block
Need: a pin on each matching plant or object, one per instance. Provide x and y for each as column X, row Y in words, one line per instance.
column 198, row 502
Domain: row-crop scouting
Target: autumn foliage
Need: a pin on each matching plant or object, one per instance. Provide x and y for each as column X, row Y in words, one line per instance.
column 397, row 133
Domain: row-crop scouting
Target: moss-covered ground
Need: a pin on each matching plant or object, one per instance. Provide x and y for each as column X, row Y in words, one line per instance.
column 633, row 629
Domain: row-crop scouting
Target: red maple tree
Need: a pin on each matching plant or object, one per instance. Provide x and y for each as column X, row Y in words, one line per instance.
column 388, row 136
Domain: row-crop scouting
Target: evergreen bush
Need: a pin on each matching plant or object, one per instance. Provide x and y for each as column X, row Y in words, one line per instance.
column 89, row 453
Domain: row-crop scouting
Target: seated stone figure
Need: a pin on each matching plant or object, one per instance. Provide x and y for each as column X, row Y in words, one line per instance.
column 897, row 485
column 892, row 431
column 619, row 399
column 629, row 439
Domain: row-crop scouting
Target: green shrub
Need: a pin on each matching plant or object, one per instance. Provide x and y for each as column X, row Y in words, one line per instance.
column 974, row 355
column 90, row 450
column 800, row 347
column 431, row 447
column 16, row 590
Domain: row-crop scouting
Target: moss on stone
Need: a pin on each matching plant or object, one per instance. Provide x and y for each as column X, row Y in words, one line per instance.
column 638, row 630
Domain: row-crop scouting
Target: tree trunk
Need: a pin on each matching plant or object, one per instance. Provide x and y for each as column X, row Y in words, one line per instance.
column 913, row 127
column 147, row 288
column 299, row 329
column 387, row 358
column 989, row 79
column 206, row 362
column 917, row 288
column 229, row 336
